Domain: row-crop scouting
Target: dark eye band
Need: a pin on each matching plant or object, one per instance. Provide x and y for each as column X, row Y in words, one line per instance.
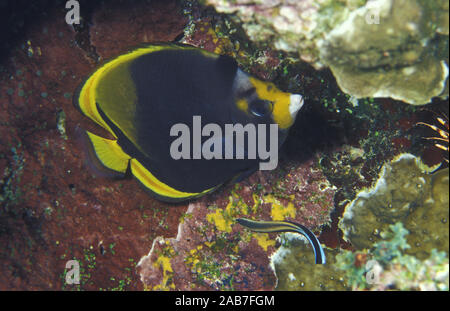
column 247, row 93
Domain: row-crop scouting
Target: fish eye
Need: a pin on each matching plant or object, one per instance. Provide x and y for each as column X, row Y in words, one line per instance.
column 260, row 108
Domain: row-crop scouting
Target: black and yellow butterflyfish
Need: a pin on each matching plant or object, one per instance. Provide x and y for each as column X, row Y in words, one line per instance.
column 142, row 96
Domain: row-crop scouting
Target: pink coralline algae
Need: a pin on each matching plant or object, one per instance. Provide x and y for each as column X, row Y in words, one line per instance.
column 211, row 251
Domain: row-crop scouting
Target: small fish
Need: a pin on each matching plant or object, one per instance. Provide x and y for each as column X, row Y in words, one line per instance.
column 286, row 226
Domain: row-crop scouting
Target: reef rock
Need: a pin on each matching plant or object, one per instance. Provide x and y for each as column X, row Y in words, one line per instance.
column 212, row 252
column 376, row 48
column 405, row 192
column 388, row 49
column 295, row 269
column 387, row 266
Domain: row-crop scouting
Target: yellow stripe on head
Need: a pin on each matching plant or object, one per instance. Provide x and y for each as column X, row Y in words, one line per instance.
column 281, row 100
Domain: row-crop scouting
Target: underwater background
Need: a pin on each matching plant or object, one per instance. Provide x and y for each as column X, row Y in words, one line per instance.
column 365, row 166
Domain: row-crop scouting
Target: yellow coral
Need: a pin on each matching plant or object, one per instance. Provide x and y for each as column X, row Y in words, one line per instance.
column 223, row 219
column 279, row 211
column 164, row 262
column 264, row 241
column 219, row 221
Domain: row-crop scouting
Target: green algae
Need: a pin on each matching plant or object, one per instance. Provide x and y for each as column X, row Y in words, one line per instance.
column 11, row 193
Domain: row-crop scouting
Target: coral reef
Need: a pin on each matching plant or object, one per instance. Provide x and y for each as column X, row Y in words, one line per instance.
column 211, row 251
column 54, row 209
column 377, row 48
column 386, row 265
column 392, row 56
column 294, row 267
column 405, row 192
column 385, row 256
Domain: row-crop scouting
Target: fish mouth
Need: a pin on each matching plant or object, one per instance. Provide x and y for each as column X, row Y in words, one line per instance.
column 295, row 104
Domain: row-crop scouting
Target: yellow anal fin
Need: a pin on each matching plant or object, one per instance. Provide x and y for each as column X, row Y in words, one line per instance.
column 109, row 153
column 159, row 188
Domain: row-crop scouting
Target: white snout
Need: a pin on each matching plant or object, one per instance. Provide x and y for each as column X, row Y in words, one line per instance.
column 295, row 104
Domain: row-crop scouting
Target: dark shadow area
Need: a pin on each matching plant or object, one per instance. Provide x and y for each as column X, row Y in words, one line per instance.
column 431, row 133
column 316, row 128
column 18, row 16
column 312, row 132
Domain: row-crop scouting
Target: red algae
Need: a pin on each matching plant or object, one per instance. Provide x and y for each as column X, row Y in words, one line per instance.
column 211, row 251
column 56, row 210
column 132, row 25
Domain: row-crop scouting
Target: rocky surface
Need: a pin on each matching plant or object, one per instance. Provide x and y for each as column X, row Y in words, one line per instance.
column 376, row 48
column 406, row 192
column 54, row 209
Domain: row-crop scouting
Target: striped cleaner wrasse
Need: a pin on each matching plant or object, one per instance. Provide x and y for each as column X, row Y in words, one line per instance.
column 286, row 226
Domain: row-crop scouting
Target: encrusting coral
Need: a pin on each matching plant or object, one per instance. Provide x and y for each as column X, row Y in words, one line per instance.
column 405, row 192
column 377, row 48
